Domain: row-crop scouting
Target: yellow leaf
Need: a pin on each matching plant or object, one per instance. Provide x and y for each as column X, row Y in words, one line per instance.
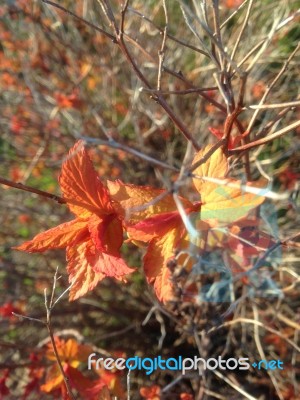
column 216, row 167
column 221, row 201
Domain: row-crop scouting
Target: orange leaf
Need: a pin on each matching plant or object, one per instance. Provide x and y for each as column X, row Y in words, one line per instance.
column 155, row 226
column 80, row 271
column 54, row 380
column 140, row 202
column 160, row 250
column 71, row 354
column 154, row 218
column 94, row 238
column 57, row 238
column 160, row 223
column 163, row 231
column 104, row 394
column 81, row 187
column 106, row 264
column 151, row 392
column 106, row 234
column 69, row 351
column 87, row 388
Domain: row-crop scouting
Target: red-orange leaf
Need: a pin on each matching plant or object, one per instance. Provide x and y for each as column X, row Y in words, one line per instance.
column 156, row 220
column 140, row 202
column 150, row 392
column 57, row 238
column 81, row 186
column 81, row 273
column 163, row 232
column 160, row 250
column 94, row 238
column 106, row 264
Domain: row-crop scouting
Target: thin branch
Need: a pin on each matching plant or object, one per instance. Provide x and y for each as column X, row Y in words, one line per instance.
column 161, row 53
column 234, row 385
column 206, row 156
column 245, row 23
column 270, row 87
column 261, row 351
column 267, row 139
column 159, row 98
column 233, row 14
column 272, row 106
column 225, row 96
column 273, row 122
column 178, row 92
column 29, row 318
column 214, row 41
column 52, row 3
column 171, row 37
column 123, row 13
column 241, row 320
column 115, row 145
column 216, row 19
column 259, row 191
column 106, row 8
column 259, row 44
column 30, row 189
column 48, row 307
column 178, row 75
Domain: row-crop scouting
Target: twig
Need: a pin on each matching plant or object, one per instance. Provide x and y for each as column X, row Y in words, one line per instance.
column 233, row 14
column 267, row 139
column 29, row 318
column 273, row 122
column 116, row 145
column 30, row 189
column 163, row 332
column 159, row 98
column 216, row 19
column 178, row 75
column 106, row 8
column 272, row 106
column 52, row 3
column 206, row 156
column 260, row 43
column 213, row 39
column 161, row 53
column 261, row 351
column 128, row 384
column 242, row 29
column 123, row 13
column 171, row 37
column 233, row 385
column 258, row 191
column 254, row 322
column 270, row 87
column 178, row 92
column 49, row 306
column 264, row 45
column 228, row 101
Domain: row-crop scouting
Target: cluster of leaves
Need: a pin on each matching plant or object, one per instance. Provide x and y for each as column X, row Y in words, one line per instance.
column 93, row 239
column 207, row 238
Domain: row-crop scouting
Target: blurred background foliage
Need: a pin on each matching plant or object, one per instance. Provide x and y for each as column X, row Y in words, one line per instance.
column 60, row 80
